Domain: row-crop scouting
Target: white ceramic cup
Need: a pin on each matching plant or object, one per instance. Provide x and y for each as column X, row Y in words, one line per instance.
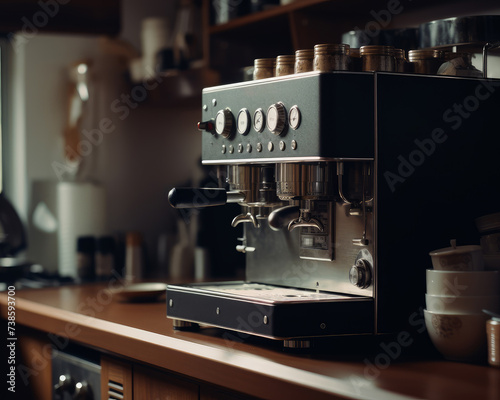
column 462, row 304
column 458, row 337
column 459, row 258
column 463, row 283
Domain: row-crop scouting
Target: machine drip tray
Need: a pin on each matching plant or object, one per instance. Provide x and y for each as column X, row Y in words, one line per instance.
column 270, row 311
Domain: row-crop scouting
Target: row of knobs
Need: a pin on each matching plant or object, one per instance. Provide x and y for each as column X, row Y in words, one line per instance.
column 78, row 391
column 276, row 118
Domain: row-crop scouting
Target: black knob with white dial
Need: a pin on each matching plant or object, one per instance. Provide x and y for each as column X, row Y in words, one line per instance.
column 276, row 118
column 224, row 123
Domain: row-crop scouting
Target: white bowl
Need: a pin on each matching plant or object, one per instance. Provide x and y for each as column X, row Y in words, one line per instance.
column 462, row 304
column 463, row 283
column 458, row 337
column 459, row 258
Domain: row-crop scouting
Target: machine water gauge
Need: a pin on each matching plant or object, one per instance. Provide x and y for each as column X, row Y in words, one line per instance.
column 224, row 122
column 258, row 120
column 294, row 117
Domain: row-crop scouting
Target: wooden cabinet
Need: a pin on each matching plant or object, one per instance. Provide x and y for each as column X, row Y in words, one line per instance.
column 153, row 384
column 116, row 379
column 131, row 381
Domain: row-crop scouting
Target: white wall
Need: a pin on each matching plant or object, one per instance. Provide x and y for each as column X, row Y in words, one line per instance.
column 151, row 149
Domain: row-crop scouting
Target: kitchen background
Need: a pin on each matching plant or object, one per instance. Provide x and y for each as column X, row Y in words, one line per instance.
column 152, row 144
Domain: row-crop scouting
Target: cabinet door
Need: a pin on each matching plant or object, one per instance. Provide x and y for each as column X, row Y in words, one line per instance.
column 116, row 379
column 154, row 384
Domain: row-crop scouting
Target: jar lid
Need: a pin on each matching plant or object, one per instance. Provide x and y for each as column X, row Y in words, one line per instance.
column 264, row 62
column 328, row 48
column 305, row 53
column 375, row 50
column 285, row 59
column 490, row 222
column 399, row 54
column 422, row 54
column 455, row 250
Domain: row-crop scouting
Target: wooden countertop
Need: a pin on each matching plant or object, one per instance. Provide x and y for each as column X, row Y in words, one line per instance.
column 92, row 315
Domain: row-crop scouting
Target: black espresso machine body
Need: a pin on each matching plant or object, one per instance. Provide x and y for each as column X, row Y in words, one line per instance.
column 347, row 181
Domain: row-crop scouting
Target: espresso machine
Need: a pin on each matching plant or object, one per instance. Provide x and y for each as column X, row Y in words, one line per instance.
column 346, row 181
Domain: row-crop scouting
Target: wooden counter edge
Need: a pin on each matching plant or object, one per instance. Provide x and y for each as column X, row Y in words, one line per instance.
column 235, row 370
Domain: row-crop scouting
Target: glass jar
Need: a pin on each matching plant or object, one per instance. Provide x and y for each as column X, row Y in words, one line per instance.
column 378, row 58
column 426, row 61
column 285, row 65
column 263, row 68
column 331, row 57
column 304, row 60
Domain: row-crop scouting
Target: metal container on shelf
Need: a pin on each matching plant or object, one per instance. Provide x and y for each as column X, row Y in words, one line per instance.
column 304, row 60
column 378, row 58
column 264, row 68
column 331, row 57
column 285, row 65
column 426, row 61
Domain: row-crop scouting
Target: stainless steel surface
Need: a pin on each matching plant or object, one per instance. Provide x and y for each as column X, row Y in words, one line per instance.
column 277, row 261
column 487, row 47
column 76, row 375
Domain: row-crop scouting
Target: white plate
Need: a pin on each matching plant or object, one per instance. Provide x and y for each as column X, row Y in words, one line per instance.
column 140, row 292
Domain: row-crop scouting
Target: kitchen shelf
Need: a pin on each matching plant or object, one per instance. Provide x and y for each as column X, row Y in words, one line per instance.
column 301, row 24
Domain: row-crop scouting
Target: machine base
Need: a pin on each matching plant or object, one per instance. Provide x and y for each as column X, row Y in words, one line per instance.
column 288, row 314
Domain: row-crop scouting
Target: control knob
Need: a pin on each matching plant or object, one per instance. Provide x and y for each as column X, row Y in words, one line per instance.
column 83, row 391
column 224, row 123
column 360, row 274
column 276, row 118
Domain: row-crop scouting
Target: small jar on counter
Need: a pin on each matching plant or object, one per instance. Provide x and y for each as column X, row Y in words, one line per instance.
column 304, row 60
column 264, row 68
column 85, row 247
column 378, row 58
column 105, row 257
column 134, row 263
column 331, row 57
column 426, row 61
column 285, row 65
column 493, row 337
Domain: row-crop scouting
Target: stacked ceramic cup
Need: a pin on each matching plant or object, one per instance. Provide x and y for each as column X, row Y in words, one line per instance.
column 458, row 289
